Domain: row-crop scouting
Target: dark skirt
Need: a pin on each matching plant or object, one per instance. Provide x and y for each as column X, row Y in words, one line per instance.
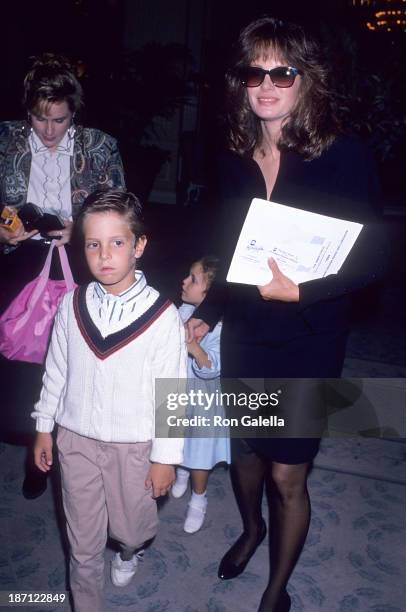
column 297, row 368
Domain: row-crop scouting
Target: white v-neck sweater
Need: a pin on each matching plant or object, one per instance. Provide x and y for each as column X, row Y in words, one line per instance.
column 111, row 399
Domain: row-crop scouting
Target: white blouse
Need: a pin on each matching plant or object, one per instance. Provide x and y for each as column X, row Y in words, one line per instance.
column 49, row 184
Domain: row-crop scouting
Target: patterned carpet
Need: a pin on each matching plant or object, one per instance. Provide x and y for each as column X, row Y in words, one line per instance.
column 354, row 559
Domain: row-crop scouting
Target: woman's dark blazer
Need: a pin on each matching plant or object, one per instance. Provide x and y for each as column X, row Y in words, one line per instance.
column 341, row 183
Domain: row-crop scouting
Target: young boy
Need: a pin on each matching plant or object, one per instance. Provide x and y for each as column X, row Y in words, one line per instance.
column 111, row 340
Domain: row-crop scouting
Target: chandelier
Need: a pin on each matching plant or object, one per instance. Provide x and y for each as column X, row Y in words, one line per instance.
column 386, row 15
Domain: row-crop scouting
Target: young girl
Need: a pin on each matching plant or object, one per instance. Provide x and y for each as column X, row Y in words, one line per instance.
column 200, row 454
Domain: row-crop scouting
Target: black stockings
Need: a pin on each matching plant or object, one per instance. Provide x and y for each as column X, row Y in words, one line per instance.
column 289, row 517
column 247, row 477
column 289, row 509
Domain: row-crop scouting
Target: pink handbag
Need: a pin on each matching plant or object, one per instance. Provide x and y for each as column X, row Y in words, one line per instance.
column 25, row 326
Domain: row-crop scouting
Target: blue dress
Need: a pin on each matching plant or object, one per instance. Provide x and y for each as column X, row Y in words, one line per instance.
column 203, row 453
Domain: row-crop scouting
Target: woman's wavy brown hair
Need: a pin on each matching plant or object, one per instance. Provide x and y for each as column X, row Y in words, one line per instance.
column 312, row 125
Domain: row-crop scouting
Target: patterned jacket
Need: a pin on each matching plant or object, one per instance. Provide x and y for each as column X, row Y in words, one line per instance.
column 95, row 163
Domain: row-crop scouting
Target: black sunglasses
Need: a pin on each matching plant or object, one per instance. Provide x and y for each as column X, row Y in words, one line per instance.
column 282, row 76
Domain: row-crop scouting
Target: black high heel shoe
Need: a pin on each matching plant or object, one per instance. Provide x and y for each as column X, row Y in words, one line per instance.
column 283, row 605
column 228, row 569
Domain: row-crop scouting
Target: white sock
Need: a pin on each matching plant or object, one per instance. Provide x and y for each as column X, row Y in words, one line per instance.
column 181, row 474
column 199, row 499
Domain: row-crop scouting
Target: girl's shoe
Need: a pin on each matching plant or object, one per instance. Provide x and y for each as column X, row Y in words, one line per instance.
column 181, row 483
column 195, row 516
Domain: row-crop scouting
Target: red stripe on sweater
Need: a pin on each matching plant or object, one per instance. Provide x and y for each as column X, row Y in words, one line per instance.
column 104, row 354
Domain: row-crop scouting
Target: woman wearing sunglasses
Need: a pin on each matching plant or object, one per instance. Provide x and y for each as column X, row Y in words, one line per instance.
column 285, row 145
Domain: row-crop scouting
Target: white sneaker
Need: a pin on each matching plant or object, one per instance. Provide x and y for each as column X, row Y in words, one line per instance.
column 195, row 516
column 122, row 572
column 181, row 483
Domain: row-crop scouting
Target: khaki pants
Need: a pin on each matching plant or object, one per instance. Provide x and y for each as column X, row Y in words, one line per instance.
column 102, row 489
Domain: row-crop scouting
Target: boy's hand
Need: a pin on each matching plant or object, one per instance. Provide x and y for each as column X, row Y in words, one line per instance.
column 43, row 451
column 160, row 478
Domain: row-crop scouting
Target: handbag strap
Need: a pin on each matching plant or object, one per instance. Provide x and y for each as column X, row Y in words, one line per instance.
column 67, row 272
column 48, row 261
column 43, row 276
